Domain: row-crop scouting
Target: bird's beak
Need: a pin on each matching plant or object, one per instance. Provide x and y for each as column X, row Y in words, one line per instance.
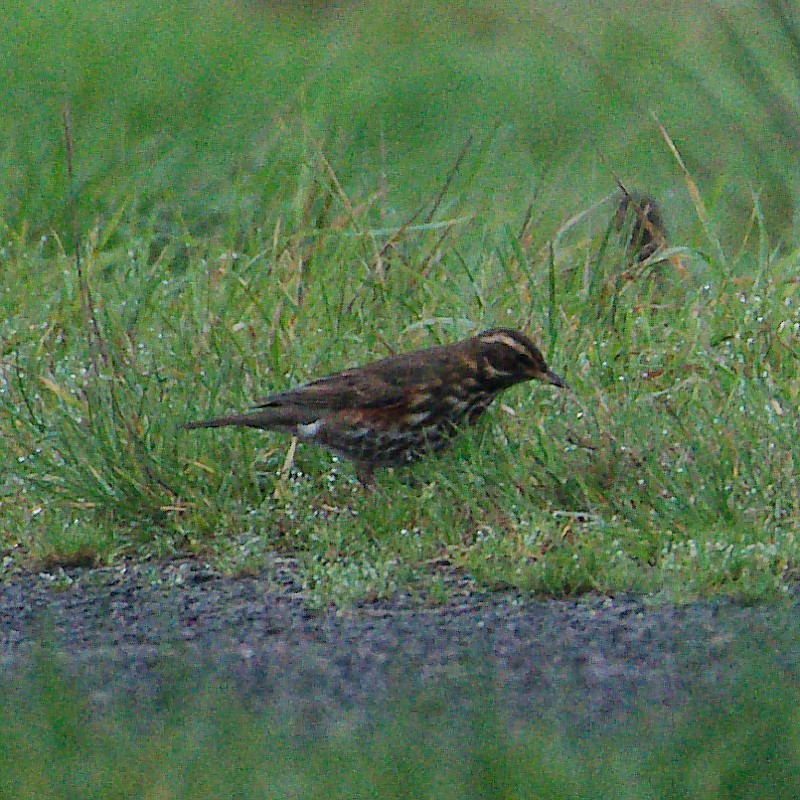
column 556, row 380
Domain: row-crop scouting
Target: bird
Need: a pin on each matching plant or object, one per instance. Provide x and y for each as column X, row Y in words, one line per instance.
column 391, row 412
column 648, row 231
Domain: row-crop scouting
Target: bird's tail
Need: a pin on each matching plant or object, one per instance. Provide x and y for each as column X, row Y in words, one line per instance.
column 282, row 418
column 219, row 422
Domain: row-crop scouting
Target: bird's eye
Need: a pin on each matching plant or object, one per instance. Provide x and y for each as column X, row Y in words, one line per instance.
column 506, row 359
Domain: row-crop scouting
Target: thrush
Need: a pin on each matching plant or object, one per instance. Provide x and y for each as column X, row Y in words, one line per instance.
column 648, row 232
column 391, row 412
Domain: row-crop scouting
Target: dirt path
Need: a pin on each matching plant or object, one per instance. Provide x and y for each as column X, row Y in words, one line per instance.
column 123, row 630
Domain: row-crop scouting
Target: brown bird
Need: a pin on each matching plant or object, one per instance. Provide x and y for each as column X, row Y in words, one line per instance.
column 394, row 411
column 648, row 231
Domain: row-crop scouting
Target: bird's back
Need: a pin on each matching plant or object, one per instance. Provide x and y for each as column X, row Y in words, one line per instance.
column 379, row 384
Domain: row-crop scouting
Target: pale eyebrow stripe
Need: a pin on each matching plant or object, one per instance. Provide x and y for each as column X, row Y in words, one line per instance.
column 503, row 338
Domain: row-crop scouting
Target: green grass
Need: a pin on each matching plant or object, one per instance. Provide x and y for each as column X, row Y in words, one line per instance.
column 208, row 743
column 671, row 469
column 244, row 182
column 205, row 112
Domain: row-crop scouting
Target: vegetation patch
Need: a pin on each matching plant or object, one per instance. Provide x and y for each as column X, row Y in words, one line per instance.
column 207, row 743
column 671, row 466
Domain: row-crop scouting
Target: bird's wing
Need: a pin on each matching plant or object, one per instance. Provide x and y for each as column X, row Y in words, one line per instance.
column 346, row 390
column 379, row 385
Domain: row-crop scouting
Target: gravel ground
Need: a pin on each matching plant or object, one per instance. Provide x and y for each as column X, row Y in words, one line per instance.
column 121, row 631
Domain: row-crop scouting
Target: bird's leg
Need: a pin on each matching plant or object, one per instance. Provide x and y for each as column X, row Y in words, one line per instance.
column 280, row 492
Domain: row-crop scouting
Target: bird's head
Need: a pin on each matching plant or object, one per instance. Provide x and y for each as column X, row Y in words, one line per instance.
column 507, row 357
